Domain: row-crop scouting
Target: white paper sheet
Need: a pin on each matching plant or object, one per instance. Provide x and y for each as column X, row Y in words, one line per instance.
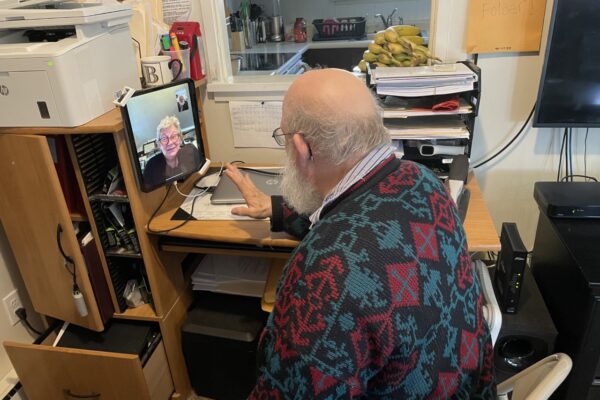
column 204, row 210
column 253, row 123
column 176, row 10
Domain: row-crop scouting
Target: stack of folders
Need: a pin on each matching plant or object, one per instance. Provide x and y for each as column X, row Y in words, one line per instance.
column 244, row 276
column 430, row 127
column 423, row 81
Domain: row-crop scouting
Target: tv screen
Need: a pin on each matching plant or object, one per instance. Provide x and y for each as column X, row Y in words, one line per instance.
column 163, row 133
column 569, row 94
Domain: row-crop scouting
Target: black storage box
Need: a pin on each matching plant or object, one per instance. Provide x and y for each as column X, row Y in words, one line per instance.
column 219, row 339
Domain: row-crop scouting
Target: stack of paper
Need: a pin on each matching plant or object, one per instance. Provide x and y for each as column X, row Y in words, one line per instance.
column 423, row 81
column 438, row 127
column 245, row 276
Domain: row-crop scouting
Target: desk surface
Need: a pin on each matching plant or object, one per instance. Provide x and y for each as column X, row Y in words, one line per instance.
column 478, row 224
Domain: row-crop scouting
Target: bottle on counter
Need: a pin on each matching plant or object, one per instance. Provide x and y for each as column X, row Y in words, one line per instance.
column 300, row 30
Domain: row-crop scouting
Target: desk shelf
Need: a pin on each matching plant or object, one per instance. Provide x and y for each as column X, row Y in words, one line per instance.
column 109, row 198
column 122, row 252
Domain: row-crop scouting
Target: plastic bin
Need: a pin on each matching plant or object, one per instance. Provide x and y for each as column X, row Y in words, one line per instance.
column 219, row 339
column 339, row 28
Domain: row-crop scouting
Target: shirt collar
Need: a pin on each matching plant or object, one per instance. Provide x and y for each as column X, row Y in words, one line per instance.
column 359, row 171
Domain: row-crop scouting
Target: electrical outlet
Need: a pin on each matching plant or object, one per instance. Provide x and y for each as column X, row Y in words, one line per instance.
column 12, row 303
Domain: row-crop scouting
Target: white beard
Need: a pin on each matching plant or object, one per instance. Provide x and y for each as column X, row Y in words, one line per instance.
column 297, row 191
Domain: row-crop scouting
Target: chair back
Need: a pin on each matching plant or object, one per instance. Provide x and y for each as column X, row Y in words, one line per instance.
column 538, row 381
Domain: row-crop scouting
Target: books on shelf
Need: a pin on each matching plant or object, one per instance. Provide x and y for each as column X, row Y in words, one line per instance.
column 428, row 127
column 423, row 81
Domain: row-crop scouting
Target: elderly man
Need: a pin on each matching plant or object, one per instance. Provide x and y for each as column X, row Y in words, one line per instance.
column 379, row 299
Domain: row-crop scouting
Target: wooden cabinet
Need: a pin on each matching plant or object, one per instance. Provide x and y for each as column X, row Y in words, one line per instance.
column 37, row 221
column 50, row 373
column 35, row 216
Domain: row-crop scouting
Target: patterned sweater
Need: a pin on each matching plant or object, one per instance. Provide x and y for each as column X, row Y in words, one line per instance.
column 379, row 300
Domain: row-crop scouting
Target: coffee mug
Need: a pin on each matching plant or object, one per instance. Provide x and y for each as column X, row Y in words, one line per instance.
column 157, row 70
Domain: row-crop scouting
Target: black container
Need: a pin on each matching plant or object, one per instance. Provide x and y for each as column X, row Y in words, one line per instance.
column 340, row 28
column 219, row 339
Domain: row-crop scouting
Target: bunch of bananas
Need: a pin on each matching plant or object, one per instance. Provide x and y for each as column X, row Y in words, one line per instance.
column 397, row 46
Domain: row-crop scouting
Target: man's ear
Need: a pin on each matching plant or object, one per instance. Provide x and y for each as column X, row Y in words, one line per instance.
column 302, row 147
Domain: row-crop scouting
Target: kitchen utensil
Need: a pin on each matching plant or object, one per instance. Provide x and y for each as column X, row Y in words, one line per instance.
column 277, row 28
column 262, row 30
column 236, row 64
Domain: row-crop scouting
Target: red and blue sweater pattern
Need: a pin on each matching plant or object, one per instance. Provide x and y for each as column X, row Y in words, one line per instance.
column 380, row 300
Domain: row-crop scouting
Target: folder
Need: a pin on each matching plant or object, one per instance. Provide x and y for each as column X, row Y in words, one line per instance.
column 93, row 263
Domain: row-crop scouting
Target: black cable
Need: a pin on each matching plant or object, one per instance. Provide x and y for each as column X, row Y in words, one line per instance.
column 577, row 176
column 22, row 314
column 571, row 153
column 185, row 221
column 68, row 259
column 509, row 143
column 562, row 148
column 585, row 151
column 261, row 171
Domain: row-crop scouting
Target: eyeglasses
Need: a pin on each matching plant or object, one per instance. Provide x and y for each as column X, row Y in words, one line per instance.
column 279, row 136
column 165, row 139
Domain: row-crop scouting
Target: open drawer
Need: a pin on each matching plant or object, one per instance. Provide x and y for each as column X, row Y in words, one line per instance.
column 64, row 373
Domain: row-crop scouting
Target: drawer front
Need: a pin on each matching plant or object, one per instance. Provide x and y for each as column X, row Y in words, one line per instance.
column 57, row 373
column 157, row 374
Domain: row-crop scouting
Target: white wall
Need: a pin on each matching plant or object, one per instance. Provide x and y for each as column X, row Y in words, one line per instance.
column 509, row 89
column 9, row 280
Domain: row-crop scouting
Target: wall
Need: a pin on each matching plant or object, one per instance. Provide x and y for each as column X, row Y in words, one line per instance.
column 9, row 280
column 509, row 89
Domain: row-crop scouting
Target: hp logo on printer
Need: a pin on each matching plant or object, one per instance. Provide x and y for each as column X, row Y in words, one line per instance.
column 4, row 90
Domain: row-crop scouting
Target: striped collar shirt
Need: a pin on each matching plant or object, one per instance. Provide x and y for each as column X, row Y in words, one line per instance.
column 359, row 171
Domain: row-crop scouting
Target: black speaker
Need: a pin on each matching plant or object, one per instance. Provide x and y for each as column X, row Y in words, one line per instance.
column 509, row 268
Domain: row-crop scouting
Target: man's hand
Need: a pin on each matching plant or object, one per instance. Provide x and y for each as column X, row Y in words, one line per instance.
column 258, row 204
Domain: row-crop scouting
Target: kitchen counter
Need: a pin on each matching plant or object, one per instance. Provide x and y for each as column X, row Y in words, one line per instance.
column 293, row 47
column 288, row 47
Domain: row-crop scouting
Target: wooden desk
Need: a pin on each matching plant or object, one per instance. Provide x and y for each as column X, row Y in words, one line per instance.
column 255, row 238
column 478, row 224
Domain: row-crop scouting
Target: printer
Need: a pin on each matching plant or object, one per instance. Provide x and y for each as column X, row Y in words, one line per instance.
column 61, row 62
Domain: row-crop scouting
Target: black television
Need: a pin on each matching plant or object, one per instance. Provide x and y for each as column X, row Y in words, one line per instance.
column 569, row 92
column 163, row 134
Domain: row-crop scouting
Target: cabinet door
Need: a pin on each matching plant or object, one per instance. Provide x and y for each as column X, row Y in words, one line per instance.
column 32, row 207
column 58, row 373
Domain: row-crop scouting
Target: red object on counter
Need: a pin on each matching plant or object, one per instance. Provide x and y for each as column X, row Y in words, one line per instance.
column 300, row 30
column 189, row 31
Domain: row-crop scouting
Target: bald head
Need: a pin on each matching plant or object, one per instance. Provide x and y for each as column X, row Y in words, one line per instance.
column 335, row 112
column 330, row 90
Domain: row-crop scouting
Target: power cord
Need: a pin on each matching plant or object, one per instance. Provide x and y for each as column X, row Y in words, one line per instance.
column 22, row 314
column 509, row 143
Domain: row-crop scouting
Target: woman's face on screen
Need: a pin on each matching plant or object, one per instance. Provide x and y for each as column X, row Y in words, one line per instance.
column 170, row 142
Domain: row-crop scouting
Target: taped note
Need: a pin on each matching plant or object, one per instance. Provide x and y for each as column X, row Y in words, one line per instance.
column 253, row 123
column 497, row 26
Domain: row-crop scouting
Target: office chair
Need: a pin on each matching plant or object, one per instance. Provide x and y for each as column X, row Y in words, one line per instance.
column 538, row 381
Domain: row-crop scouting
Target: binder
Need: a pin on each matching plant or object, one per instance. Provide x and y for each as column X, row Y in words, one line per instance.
column 90, row 254
column 66, row 175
